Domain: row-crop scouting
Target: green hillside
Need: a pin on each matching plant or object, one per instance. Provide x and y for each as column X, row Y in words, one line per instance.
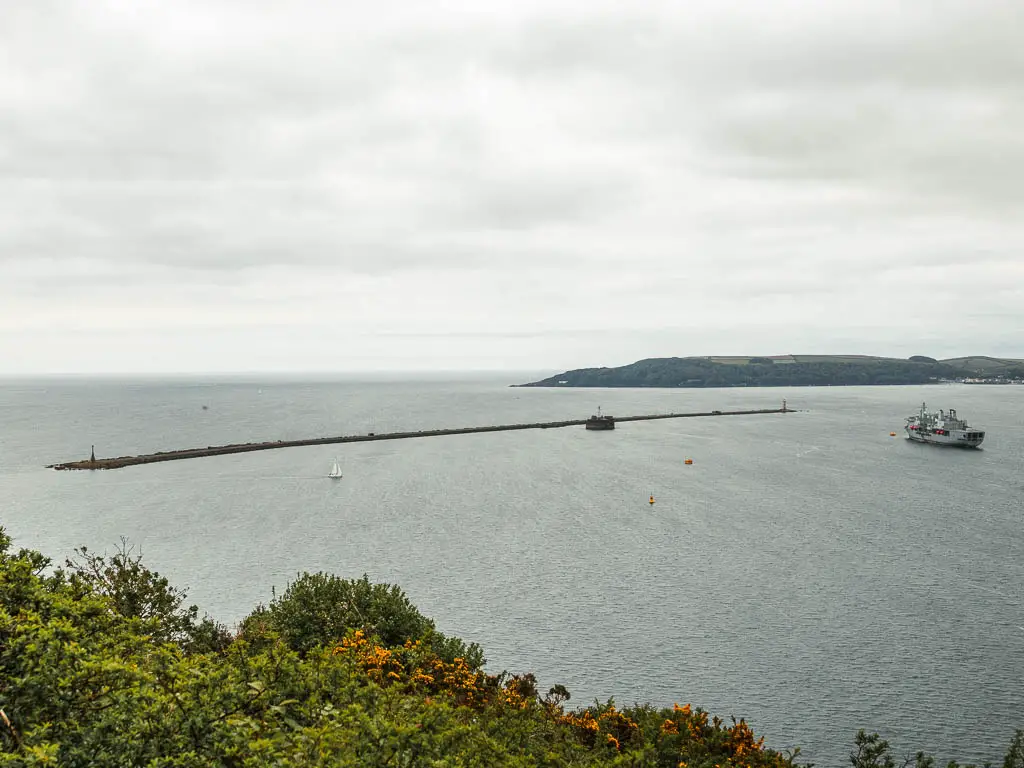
column 983, row 364
column 788, row 371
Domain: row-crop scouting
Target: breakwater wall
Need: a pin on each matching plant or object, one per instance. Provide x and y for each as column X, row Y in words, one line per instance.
column 220, row 450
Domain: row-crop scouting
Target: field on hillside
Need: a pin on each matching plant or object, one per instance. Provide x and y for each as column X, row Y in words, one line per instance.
column 983, row 364
column 784, row 359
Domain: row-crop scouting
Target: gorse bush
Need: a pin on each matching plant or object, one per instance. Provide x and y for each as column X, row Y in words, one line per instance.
column 317, row 609
column 102, row 664
column 874, row 752
column 136, row 592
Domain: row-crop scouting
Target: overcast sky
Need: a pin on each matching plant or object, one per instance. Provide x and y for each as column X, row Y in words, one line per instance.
column 541, row 184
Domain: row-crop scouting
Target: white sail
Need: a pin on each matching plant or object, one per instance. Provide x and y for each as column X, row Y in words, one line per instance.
column 335, row 470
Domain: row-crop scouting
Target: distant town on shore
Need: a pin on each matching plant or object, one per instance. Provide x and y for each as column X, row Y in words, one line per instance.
column 793, row 371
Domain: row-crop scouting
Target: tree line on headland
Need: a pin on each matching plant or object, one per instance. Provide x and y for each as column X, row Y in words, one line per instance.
column 790, row 371
column 103, row 664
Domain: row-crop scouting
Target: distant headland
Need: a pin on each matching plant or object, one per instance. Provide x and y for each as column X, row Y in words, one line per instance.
column 792, row 371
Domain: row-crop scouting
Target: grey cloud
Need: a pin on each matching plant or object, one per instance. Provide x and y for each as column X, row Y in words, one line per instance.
column 923, row 99
column 565, row 165
column 231, row 227
column 716, row 47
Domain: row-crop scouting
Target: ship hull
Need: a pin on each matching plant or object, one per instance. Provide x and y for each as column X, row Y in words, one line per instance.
column 952, row 441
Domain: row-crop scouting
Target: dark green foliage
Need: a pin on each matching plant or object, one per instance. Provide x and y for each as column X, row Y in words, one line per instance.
column 64, row 655
column 136, row 592
column 451, row 648
column 207, row 636
column 1015, row 755
column 318, row 609
column 557, row 695
column 874, row 752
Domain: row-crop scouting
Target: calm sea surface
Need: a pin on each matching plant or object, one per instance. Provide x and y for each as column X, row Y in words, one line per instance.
column 807, row 572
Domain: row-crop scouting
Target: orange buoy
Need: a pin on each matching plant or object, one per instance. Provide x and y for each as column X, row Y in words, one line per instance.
column 892, row 434
column 688, row 461
column 651, row 502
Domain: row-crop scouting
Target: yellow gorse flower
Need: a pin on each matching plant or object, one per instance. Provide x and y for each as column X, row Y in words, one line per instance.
column 416, row 666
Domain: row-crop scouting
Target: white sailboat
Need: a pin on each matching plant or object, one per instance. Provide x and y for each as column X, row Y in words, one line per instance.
column 335, row 470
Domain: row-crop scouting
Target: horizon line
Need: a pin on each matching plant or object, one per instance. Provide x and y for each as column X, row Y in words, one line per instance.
column 405, row 372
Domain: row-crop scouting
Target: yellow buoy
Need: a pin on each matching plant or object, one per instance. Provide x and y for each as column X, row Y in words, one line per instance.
column 652, row 500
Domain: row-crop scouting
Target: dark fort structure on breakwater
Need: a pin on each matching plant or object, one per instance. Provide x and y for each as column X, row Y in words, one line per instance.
column 603, row 422
column 597, row 421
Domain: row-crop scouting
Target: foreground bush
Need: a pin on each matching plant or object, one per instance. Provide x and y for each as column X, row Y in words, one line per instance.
column 100, row 665
column 320, row 608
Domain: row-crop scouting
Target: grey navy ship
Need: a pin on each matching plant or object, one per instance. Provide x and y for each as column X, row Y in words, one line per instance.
column 942, row 428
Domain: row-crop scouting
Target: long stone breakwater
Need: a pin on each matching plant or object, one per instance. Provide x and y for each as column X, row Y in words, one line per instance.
column 220, row 450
